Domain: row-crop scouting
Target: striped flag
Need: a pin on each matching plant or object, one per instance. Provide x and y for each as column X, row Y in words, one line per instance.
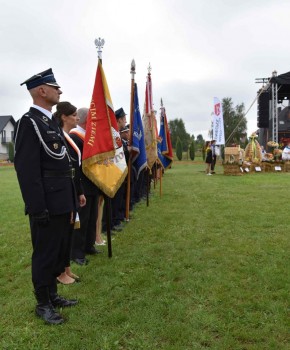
column 103, row 155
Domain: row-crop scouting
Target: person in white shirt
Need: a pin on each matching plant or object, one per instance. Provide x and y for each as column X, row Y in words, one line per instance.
column 286, row 152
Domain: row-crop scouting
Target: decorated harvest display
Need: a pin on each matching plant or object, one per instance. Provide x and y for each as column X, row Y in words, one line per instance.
column 275, row 154
column 253, row 152
column 255, row 159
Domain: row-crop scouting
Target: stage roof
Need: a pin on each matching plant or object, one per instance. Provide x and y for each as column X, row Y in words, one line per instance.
column 283, row 81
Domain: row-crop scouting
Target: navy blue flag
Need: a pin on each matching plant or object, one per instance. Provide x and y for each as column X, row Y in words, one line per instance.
column 139, row 159
column 164, row 147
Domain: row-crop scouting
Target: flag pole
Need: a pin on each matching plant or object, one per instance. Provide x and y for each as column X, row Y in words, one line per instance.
column 133, row 67
column 148, row 186
column 161, row 103
column 99, row 45
column 109, row 223
column 160, row 189
column 156, row 175
column 148, row 102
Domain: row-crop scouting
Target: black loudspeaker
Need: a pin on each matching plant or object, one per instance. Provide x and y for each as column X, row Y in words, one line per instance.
column 263, row 110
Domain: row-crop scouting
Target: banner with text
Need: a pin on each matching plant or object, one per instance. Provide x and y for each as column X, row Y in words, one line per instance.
column 218, row 131
column 104, row 160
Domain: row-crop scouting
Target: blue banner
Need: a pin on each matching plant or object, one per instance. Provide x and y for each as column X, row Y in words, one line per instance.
column 139, row 159
column 163, row 149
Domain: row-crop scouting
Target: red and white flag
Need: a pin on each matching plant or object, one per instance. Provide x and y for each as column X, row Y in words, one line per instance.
column 104, row 160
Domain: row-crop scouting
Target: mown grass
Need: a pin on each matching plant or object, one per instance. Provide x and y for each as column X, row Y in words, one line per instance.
column 206, row 266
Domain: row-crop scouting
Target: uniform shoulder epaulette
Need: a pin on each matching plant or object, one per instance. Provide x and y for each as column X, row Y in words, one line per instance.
column 28, row 114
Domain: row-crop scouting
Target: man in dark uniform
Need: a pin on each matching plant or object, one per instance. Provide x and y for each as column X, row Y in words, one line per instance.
column 45, row 175
column 125, row 136
column 213, row 149
column 118, row 214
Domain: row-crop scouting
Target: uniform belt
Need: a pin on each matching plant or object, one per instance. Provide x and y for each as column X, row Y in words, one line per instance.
column 59, row 173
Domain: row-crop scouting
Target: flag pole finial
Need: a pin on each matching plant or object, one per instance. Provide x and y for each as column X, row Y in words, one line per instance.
column 133, row 69
column 149, row 68
column 99, row 45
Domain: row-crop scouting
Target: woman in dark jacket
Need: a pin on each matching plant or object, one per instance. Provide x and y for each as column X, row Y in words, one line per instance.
column 208, row 157
column 66, row 116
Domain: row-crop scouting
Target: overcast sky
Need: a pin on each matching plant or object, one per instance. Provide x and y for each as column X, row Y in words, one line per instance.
column 197, row 49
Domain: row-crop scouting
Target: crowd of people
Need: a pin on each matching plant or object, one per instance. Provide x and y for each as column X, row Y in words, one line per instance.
column 67, row 212
column 211, row 151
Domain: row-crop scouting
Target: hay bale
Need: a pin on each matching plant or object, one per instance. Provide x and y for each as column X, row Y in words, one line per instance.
column 232, row 169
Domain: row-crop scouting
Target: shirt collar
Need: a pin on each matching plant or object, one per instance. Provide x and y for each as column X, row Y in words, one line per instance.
column 43, row 110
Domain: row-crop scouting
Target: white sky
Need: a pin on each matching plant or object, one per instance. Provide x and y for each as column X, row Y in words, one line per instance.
column 198, row 49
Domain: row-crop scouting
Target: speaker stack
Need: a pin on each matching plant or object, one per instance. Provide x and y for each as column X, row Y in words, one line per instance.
column 263, row 110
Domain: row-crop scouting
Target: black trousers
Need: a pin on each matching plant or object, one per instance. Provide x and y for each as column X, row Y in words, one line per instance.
column 84, row 238
column 118, row 206
column 141, row 185
column 49, row 244
column 212, row 166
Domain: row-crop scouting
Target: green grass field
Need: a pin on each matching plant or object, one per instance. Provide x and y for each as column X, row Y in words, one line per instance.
column 206, row 266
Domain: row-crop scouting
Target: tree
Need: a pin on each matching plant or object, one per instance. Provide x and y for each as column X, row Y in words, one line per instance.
column 192, row 150
column 235, row 123
column 203, row 151
column 177, row 129
column 178, row 149
column 199, row 143
column 199, row 139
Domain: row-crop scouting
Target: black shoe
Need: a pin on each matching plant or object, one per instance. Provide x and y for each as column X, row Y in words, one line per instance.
column 117, row 228
column 81, row 261
column 58, row 301
column 93, row 251
column 105, row 232
column 48, row 314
